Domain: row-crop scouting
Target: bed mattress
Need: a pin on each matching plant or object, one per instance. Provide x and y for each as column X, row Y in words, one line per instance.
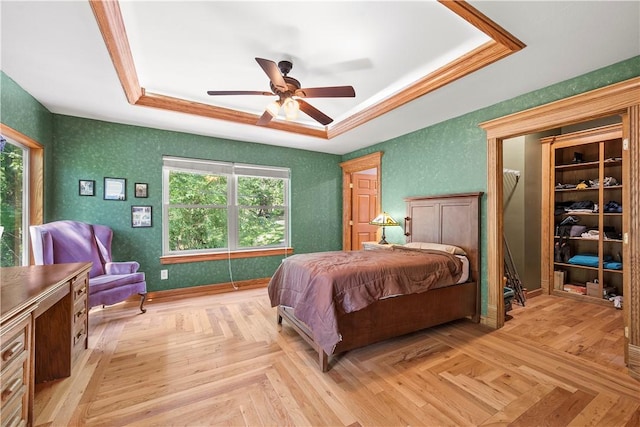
column 320, row 286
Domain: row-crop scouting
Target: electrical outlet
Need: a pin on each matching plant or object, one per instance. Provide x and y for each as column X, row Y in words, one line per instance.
column 164, row 274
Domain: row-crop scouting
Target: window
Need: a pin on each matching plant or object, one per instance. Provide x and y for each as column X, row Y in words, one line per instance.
column 14, row 203
column 215, row 207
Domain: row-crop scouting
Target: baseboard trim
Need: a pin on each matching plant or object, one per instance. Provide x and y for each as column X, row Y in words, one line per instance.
column 212, row 289
column 534, row 293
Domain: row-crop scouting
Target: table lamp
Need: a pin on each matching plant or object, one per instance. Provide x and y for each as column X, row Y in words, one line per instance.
column 384, row 220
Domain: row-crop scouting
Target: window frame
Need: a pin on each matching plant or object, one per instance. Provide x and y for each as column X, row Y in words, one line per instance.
column 232, row 171
column 24, row 244
column 33, row 210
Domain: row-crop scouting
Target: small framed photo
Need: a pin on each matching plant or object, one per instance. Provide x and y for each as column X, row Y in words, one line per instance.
column 141, row 190
column 140, row 216
column 115, row 189
column 87, row 187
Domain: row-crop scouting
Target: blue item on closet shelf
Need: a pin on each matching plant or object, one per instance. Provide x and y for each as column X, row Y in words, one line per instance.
column 588, row 260
column 612, row 265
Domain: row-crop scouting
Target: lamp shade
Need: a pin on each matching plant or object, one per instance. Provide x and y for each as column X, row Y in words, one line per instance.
column 384, row 219
column 291, row 108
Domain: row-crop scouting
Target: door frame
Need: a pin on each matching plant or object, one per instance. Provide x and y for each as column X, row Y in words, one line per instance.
column 370, row 161
column 621, row 98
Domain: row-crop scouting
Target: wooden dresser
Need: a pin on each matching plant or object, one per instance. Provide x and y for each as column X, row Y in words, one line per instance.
column 43, row 329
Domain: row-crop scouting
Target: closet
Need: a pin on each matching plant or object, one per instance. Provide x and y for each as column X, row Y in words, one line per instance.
column 587, row 218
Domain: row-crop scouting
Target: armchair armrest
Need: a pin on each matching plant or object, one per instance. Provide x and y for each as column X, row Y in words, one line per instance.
column 125, row 267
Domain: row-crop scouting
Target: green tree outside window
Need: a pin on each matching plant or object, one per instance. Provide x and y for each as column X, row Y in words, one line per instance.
column 219, row 211
column 11, row 203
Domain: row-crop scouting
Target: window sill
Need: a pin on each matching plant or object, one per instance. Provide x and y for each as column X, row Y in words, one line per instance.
column 218, row 256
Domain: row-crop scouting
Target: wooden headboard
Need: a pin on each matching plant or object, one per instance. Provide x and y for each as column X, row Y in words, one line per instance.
column 452, row 219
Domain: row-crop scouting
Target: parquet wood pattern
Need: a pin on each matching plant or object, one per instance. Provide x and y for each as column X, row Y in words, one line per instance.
column 222, row 360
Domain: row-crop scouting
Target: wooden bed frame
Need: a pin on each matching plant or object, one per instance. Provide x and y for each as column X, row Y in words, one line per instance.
column 451, row 219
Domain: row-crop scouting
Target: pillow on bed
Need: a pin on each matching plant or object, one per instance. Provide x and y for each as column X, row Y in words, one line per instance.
column 455, row 250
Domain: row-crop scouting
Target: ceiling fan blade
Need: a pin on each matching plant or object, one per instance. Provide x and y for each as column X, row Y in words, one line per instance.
column 273, row 72
column 326, row 92
column 313, row 112
column 238, row 92
column 265, row 118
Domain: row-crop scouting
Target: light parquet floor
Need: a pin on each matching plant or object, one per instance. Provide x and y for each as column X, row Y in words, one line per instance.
column 222, row 360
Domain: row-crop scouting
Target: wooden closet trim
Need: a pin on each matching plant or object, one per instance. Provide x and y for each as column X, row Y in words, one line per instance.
column 621, row 98
column 597, row 103
column 631, row 130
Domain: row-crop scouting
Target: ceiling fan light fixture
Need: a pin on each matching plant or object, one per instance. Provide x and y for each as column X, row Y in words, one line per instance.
column 285, row 87
column 274, row 108
column 291, row 108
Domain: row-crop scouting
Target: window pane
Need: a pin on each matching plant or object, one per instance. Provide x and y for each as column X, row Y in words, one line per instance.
column 11, row 207
column 254, row 191
column 196, row 189
column 214, row 205
column 197, row 228
column 261, row 227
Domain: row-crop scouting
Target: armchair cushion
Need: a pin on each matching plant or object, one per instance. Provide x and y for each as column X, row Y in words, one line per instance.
column 121, row 267
column 109, row 281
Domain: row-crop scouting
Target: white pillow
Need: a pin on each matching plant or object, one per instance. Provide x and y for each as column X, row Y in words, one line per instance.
column 455, row 250
column 372, row 246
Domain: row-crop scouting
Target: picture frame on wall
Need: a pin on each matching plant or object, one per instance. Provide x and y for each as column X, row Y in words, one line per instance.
column 141, row 190
column 87, row 187
column 115, row 189
column 141, row 216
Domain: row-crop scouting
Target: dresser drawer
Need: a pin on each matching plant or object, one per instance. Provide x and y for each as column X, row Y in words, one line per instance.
column 79, row 342
column 13, row 346
column 79, row 312
column 80, row 337
column 14, row 413
column 14, row 393
column 14, row 385
column 79, row 287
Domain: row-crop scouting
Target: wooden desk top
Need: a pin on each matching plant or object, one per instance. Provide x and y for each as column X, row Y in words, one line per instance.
column 22, row 287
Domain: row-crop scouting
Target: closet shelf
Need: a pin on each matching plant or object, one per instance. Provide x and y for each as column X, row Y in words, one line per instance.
column 581, row 165
column 602, row 150
column 591, row 240
column 586, row 267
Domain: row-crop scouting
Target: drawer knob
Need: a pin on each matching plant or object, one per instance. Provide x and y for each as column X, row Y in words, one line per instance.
column 81, row 290
column 8, row 353
column 13, row 386
column 81, row 312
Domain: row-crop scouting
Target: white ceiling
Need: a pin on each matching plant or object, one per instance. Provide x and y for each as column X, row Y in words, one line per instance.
column 54, row 50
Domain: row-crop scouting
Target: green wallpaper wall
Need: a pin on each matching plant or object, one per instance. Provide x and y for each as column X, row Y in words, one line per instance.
column 451, row 157
column 22, row 112
column 89, row 149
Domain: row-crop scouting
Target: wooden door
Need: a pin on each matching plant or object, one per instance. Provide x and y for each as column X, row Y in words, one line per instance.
column 364, row 202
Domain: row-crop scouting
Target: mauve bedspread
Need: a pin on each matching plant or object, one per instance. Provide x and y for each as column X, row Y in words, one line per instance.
column 319, row 286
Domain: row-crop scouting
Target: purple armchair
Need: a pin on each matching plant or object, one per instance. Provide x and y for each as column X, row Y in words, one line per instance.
column 110, row 282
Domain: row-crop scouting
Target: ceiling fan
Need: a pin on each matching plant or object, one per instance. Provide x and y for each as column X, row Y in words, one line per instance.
column 290, row 94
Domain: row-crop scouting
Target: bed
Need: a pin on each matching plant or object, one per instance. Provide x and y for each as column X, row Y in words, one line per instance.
column 389, row 307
